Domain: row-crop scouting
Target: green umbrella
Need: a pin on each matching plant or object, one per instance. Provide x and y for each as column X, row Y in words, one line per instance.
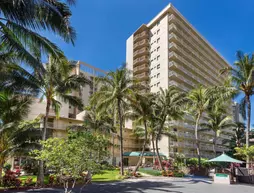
column 225, row 158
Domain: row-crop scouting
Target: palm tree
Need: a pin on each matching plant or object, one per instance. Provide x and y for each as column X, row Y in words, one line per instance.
column 198, row 104
column 216, row 121
column 97, row 121
column 169, row 106
column 13, row 108
column 53, row 84
column 243, row 82
column 116, row 89
column 21, row 20
column 141, row 110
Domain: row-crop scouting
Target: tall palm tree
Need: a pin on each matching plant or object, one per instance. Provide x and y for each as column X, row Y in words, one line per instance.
column 141, row 110
column 20, row 22
column 97, row 121
column 116, row 89
column 216, row 121
column 198, row 104
column 243, row 82
column 53, row 84
column 13, row 108
column 169, row 106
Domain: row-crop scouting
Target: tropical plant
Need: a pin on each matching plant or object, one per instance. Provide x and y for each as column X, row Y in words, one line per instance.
column 21, row 21
column 169, row 106
column 141, row 110
column 198, row 104
column 216, row 121
column 98, row 122
column 116, row 89
column 54, row 84
column 243, row 81
column 246, row 152
column 74, row 158
column 13, row 108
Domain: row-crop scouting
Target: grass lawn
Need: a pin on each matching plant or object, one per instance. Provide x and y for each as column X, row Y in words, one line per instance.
column 23, row 179
column 107, row 176
column 150, row 172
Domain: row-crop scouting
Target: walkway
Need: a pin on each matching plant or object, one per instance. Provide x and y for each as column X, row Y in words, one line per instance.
column 159, row 185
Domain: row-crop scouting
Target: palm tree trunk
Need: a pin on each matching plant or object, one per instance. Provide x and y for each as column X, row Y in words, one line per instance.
column 143, row 150
column 44, row 137
column 121, row 136
column 1, row 171
column 153, row 149
column 214, row 143
column 197, row 141
column 248, row 128
column 158, row 154
column 113, row 149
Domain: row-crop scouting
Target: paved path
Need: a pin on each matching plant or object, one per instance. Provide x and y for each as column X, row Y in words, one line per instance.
column 159, row 185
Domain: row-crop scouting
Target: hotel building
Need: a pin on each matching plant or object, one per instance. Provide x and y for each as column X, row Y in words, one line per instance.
column 170, row 51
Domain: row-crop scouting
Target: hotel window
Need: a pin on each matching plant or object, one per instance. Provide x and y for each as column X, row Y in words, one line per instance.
column 158, row 57
column 158, row 66
column 158, row 83
column 158, row 23
column 158, row 40
column 158, row 49
column 158, row 31
column 158, row 75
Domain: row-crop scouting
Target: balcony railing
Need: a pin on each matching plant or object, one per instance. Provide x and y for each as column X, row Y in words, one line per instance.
column 140, row 60
column 202, row 44
column 141, row 43
column 143, row 67
column 140, row 36
column 140, row 52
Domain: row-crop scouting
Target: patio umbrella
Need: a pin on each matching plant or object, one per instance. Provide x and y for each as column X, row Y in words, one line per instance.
column 225, row 158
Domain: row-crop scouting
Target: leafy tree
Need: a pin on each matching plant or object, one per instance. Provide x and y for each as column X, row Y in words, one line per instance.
column 243, row 82
column 21, row 21
column 198, row 104
column 246, row 152
column 169, row 106
column 116, row 89
column 70, row 158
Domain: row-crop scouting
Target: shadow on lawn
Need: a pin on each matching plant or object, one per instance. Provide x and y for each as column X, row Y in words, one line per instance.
column 121, row 187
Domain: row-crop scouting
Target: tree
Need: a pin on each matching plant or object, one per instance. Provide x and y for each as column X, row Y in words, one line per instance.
column 13, row 108
column 198, row 104
column 246, row 152
column 70, row 158
column 98, row 122
column 54, row 84
column 116, row 89
column 243, row 82
column 169, row 106
column 21, row 20
column 216, row 121
column 141, row 110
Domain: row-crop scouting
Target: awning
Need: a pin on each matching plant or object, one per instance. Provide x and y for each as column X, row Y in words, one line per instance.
column 137, row 154
column 225, row 158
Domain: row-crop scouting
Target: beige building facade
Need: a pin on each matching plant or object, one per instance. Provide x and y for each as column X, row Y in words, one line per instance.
column 170, row 51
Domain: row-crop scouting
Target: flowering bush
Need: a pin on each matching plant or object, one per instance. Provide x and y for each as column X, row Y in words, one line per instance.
column 10, row 179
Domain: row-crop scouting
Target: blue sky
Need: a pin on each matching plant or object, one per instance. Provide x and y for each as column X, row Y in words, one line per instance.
column 104, row 25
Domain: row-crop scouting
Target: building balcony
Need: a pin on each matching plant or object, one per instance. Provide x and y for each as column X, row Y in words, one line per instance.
column 180, row 86
column 141, row 68
column 199, row 44
column 175, row 76
column 143, row 59
column 142, row 76
column 141, row 44
column 140, row 52
column 140, row 36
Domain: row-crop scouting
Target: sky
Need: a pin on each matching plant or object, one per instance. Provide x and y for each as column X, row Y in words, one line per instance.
column 103, row 26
